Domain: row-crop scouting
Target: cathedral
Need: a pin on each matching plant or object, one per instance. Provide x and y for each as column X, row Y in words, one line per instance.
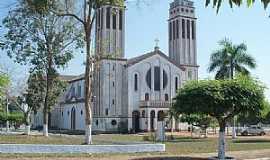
column 131, row 95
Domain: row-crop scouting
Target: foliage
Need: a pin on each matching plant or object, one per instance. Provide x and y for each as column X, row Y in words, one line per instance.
column 231, row 58
column 217, row 3
column 31, row 37
column 43, row 40
column 35, row 93
column 4, row 81
column 198, row 120
column 220, row 99
column 85, row 16
column 253, row 119
column 266, row 113
column 14, row 117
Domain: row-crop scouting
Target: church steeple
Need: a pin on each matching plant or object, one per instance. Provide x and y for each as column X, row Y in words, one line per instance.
column 182, row 32
column 110, row 31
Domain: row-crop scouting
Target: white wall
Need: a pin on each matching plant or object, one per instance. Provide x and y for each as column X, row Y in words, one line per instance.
column 141, row 68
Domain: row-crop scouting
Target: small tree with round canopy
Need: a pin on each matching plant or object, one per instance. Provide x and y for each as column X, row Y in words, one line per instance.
column 221, row 100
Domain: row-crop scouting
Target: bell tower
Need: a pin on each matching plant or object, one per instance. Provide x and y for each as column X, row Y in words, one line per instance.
column 182, row 36
column 110, row 31
column 182, row 32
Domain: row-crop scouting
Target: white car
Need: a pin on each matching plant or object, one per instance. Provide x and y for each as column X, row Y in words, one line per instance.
column 253, row 130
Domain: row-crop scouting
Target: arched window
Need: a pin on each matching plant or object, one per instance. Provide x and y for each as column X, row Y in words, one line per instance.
column 188, row 29
column 146, row 97
column 183, row 29
column 166, row 97
column 157, row 78
column 176, row 84
column 108, row 17
column 193, row 29
column 165, row 79
column 107, row 111
column 120, row 20
column 114, row 21
column 149, row 78
column 136, row 82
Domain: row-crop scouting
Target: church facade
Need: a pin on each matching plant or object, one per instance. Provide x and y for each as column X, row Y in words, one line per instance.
column 132, row 94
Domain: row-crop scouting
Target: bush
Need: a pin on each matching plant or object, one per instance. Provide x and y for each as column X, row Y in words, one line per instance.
column 15, row 118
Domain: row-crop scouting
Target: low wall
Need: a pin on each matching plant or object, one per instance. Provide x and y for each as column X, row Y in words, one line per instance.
column 32, row 148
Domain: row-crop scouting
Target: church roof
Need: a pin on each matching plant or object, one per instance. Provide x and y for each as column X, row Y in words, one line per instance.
column 138, row 59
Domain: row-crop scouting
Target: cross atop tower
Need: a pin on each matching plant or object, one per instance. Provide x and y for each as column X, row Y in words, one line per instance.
column 157, row 42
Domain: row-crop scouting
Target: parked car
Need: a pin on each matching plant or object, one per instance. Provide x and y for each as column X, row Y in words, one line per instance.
column 253, row 130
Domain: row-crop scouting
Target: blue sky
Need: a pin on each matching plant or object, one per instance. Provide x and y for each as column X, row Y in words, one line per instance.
column 148, row 21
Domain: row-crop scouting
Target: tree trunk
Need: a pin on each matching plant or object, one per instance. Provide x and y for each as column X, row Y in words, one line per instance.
column 27, row 123
column 49, row 79
column 88, row 89
column 221, row 143
column 45, row 109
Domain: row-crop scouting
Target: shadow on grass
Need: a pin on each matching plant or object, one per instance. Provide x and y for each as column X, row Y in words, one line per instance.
column 252, row 141
column 171, row 158
column 187, row 139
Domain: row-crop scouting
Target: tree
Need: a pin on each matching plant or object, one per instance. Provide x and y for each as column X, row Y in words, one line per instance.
column 3, row 83
column 222, row 100
column 217, row 3
column 229, row 59
column 42, row 40
column 251, row 119
column 197, row 120
column 85, row 16
column 35, row 94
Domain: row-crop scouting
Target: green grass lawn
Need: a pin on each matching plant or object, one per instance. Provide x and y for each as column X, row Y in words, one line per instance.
column 187, row 145
column 179, row 146
column 70, row 140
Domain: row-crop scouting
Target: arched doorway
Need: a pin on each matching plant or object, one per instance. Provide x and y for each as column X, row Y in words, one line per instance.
column 136, row 121
column 152, row 119
column 73, row 119
column 161, row 116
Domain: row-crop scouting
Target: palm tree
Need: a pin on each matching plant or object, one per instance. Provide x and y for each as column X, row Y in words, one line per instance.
column 231, row 59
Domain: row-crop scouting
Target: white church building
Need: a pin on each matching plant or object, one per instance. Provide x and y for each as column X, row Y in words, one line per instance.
column 131, row 95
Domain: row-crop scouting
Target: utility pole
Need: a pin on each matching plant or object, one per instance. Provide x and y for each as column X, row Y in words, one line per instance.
column 7, row 122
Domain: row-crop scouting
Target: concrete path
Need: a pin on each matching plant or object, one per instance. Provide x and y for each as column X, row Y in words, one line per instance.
column 39, row 148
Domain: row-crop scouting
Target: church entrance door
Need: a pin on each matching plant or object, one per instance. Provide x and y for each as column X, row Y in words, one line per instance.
column 136, row 121
column 73, row 119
